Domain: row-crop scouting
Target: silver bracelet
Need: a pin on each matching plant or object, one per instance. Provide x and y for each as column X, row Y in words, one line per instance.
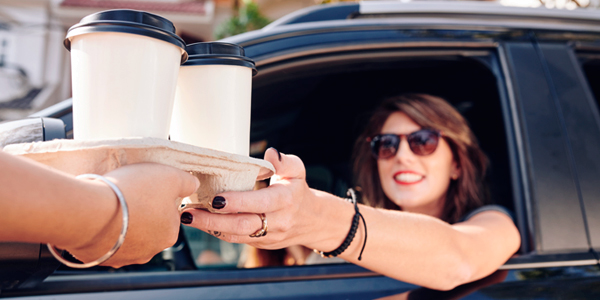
column 111, row 252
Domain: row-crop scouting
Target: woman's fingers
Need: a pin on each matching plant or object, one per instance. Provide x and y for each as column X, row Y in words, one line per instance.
column 281, row 202
column 289, row 171
column 189, row 184
column 232, row 224
column 273, row 198
column 151, row 176
column 286, row 166
column 237, row 228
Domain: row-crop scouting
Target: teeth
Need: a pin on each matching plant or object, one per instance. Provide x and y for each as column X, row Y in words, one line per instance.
column 408, row 177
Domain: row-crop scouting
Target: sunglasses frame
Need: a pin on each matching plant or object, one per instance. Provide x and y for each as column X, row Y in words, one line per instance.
column 374, row 139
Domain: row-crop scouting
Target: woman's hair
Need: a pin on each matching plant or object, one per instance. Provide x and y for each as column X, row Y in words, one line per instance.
column 465, row 193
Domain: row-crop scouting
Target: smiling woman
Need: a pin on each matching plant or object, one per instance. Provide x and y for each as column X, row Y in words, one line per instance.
column 439, row 177
column 421, row 170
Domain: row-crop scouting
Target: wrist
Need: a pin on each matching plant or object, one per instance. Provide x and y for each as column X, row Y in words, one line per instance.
column 98, row 221
column 90, row 251
column 351, row 233
column 335, row 218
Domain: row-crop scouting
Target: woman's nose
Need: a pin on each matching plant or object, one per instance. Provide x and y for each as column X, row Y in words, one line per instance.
column 404, row 154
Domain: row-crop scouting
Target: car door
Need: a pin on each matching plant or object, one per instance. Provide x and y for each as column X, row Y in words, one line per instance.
column 557, row 141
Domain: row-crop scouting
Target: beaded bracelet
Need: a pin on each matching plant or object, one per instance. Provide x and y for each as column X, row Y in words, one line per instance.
column 351, row 233
column 119, row 242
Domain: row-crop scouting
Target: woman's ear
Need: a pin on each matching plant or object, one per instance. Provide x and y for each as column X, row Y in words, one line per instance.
column 454, row 171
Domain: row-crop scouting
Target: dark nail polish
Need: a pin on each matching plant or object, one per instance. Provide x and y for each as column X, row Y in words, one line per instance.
column 187, row 218
column 218, row 202
column 278, row 154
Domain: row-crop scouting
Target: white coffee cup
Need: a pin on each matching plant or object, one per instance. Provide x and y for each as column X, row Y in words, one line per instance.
column 212, row 100
column 124, row 66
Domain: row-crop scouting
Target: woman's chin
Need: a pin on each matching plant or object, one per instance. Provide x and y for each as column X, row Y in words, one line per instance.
column 411, row 201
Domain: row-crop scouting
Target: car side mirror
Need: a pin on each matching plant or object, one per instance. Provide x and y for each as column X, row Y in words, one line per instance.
column 31, row 130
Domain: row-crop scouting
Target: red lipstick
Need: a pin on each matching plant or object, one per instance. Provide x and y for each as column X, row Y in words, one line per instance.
column 408, row 177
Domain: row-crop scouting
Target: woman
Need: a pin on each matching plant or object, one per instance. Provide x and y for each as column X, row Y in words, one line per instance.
column 420, row 170
column 42, row 205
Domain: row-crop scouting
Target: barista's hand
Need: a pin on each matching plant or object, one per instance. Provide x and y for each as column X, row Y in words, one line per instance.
column 152, row 192
column 294, row 212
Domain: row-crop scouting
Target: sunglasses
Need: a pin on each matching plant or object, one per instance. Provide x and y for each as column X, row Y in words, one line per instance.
column 422, row 142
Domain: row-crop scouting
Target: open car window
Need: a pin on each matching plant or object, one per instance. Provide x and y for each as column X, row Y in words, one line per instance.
column 316, row 108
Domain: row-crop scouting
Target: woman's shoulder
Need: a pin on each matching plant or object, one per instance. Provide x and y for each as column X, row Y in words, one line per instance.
column 489, row 207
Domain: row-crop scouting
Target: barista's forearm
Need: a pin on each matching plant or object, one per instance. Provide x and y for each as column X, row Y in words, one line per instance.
column 39, row 204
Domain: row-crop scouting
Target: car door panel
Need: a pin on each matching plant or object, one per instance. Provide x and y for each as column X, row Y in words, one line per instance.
column 581, row 121
column 555, row 208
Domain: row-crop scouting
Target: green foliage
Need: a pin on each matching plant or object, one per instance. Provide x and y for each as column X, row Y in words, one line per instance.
column 249, row 18
column 335, row 1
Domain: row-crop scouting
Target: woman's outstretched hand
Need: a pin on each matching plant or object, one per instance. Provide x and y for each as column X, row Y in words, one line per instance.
column 293, row 211
column 298, row 215
column 152, row 192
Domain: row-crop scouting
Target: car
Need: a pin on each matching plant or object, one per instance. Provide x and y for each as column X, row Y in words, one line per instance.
column 528, row 82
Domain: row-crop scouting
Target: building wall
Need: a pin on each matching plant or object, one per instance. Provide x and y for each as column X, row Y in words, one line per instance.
column 30, row 44
column 275, row 9
column 33, row 34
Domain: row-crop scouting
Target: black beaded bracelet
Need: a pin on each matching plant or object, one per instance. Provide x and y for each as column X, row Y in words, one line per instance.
column 351, row 233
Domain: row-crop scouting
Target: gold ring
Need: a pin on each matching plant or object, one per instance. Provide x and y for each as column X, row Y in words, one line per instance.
column 263, row 230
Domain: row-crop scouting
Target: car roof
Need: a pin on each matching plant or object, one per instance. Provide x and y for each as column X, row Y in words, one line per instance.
column 426, row 14
column 474, row 8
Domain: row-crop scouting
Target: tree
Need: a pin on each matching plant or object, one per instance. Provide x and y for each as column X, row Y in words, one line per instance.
column 247, row 17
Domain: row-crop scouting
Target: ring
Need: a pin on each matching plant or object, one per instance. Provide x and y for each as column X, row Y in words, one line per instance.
column 263, row 230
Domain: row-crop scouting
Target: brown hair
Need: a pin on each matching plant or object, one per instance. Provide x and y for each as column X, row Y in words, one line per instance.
column 465, row 193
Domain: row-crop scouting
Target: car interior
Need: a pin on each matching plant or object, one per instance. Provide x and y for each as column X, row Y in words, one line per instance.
column 591, row 69
column 316, row 108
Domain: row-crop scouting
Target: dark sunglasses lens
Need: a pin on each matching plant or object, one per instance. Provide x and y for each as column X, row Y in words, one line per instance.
column 423, row 142
column 385, row 146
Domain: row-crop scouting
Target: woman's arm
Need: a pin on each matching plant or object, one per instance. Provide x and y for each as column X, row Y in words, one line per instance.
column 41, row 205
column 410, row 247
column 429, row 252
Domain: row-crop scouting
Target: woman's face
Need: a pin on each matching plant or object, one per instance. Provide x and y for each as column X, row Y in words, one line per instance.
column 416, row 183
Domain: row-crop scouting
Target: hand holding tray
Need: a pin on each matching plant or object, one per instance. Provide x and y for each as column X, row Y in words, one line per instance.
column 218, row 171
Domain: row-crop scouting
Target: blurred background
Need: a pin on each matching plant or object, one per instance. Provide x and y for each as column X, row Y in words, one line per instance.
column 34, row 65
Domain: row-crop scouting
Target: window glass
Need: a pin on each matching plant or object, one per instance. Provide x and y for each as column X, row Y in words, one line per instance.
column 591, row 69
column 209, row 251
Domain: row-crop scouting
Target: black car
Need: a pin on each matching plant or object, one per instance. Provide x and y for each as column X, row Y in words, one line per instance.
column 528, row 82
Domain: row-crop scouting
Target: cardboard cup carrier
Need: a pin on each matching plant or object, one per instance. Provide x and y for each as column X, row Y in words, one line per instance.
column 124, row 67
column 212, row 101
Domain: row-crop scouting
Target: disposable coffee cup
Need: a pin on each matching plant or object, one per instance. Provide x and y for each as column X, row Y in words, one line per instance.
column 212, row 100
column 124, row 66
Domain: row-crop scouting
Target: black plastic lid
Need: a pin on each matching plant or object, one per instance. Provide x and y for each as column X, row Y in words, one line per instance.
column 207, row 48
column 218, row 53
column 128, row 21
